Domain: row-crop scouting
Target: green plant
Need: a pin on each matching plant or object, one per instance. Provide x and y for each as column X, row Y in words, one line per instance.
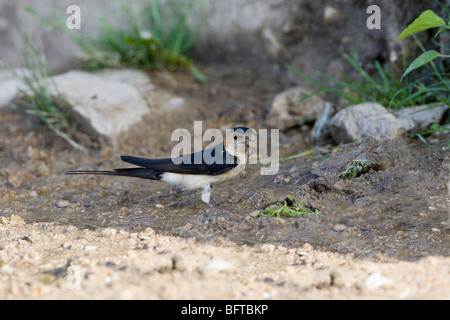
column 427, row 20
column 41, row 97
column 155, row 37
column 378, row 84
column 354, row 169
column 289, row 208
column 433, row 129
column 300, row 155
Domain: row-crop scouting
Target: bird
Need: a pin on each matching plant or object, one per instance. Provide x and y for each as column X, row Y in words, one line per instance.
column 230, row 156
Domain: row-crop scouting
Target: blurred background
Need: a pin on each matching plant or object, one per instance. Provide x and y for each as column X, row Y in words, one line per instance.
column 310, row 35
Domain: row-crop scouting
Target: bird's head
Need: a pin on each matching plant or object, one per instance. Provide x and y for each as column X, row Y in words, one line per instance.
column 240, row 141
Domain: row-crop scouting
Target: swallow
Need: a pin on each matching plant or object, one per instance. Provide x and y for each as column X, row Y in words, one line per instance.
column 187, row 171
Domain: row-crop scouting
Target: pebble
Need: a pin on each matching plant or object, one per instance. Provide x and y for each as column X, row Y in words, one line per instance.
column 13, row 220
column 63, row 204
column 217, row 265
column 108, row 232
column 254, row 213
column 377, row 281
column 339, row 227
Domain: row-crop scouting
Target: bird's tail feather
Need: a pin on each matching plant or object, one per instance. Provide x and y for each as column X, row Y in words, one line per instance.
column 123, row 172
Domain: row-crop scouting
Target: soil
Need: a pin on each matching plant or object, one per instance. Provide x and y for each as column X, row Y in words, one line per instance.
column 384, row 234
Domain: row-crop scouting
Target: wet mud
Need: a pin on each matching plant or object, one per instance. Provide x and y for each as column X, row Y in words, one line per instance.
column 396, row 209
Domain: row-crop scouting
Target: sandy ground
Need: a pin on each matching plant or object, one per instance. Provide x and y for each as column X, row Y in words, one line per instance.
column 45, row 261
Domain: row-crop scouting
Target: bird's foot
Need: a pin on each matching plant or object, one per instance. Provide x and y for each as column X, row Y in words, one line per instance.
column 215, row 202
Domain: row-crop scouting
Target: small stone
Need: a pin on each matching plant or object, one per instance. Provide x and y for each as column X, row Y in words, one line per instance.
column 254, row 213
column 13, row 220
column 63, row 204
column 217, row 265
column 186, row 227
column 271, row 42
column 267, row 247
column 287, row 112
column 366, row 120
column 108, row 232
column 339, row 227
column 423, row 116
column 377, row 281
column 331, row 14
column 306, row 249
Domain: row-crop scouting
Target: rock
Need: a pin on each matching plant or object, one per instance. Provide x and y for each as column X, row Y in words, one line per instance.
column 271, row 43
column 13, row 220
column 287, row 111
column 10, row 85
column 102, row 105
column 331, row 15
column 63, row 204
column 218, row 265
column 367, row 120
column 424, row 115
column 377, row 281
column 136, row 78
column 321, row 129
column 108, row 232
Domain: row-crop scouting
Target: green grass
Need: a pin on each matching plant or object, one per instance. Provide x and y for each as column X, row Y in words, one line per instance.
column 156, row 36
column 434, row 129
column 41, row 97
column 300, row 155
column 289, row 208
column 377, row 84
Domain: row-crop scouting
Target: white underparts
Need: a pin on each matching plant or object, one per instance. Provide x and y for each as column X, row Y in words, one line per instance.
column 196, row 181
column 204, row 181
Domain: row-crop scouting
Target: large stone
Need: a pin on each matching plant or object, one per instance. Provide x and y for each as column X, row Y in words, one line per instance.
column 104, row 105
column 287, row 112
column 424, row 115
column 10, row 84
column 367, row 120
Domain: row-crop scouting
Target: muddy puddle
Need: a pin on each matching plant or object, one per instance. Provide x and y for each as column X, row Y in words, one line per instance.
column 398, row 208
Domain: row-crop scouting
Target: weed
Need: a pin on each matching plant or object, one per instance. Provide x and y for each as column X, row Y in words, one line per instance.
column 156, row 37
column 354, row 169
column 427, row 20
column 41, row 97
column 289, row 208
column 433, row 129
column 300, row 155
column 379, row 85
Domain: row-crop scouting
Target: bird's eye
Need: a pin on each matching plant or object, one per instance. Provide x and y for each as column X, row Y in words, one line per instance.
column 235, row 137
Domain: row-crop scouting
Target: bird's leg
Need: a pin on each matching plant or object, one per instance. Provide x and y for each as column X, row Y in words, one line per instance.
column 206, row 194
column 216, row 203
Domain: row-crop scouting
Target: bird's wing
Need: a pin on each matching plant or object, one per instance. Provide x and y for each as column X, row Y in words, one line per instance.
column 190, row 165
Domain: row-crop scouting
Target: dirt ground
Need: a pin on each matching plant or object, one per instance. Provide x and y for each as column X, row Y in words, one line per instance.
column 382, row 235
